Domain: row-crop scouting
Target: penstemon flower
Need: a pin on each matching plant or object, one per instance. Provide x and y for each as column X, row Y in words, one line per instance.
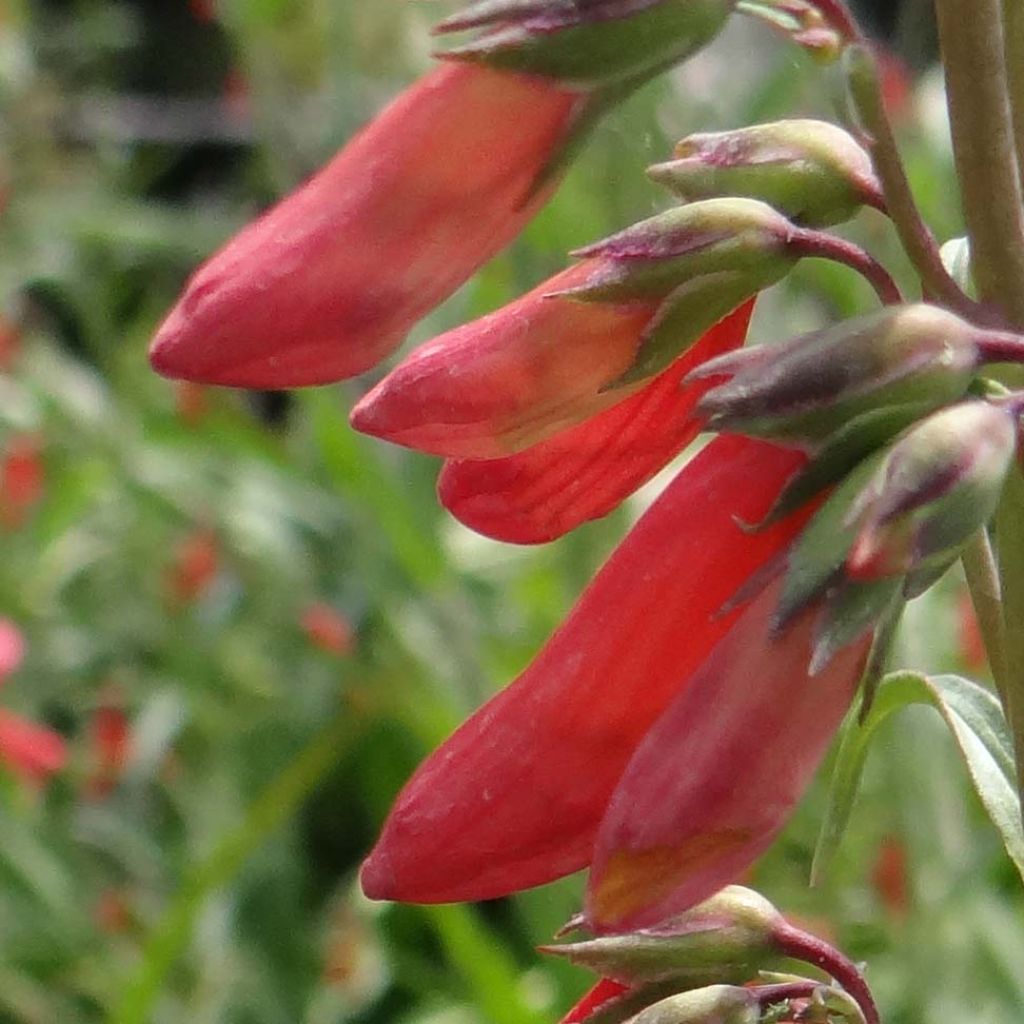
column 518, row 795
column 328, row 282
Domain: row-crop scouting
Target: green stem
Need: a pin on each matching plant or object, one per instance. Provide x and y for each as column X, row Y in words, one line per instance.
column 982, row 574
column 1010, row 537
column 271, row 809
column 915, row 236
column 1013, row 32
column 971, row 36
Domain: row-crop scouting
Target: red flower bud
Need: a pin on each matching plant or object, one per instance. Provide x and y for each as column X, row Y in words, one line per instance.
column 515, row 797
column 329, row 281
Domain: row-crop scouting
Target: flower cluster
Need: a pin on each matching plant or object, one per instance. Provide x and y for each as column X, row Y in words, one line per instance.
column 667, row 729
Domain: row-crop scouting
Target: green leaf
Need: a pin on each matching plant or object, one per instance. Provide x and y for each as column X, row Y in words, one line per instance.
column 976, row 721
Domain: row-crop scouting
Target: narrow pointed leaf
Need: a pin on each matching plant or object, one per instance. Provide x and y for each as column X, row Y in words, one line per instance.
column 979, row 729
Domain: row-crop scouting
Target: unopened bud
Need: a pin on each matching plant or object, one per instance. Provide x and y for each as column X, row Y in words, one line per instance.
column 724, row 938
column 658, row 255
column 813, row 171
column 716, row 1004
column 601, row 43
column 918, row 357
column 937, row 486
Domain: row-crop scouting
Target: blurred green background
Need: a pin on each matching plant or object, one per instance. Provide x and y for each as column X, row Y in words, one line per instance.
column 250, row 624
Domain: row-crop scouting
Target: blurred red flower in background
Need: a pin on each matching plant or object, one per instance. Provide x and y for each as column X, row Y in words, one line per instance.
column 31, row 752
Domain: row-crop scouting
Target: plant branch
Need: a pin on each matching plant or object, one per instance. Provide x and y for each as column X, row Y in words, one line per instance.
column 810, row 949
column 914, row 234
column 831, row 247
column 971, row 37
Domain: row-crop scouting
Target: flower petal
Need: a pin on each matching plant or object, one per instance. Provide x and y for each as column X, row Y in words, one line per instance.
column 603, row 992
column 512, row 378
column 31, row 751
column 514, row 798
column 718, row 776
column 329, row 281
column 586, row 472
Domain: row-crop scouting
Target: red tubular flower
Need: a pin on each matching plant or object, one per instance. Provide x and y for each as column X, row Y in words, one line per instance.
column 717, row 777
column 584, row 473
column 516, row 796
column 513, row 378
column 329, row 281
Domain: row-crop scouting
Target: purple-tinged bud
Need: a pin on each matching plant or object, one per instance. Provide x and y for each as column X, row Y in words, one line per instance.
column 936, row 487
column 916, row 356
column 716, row 1004
column 591, row 44
column 814, row 172
column 658, row 255
column 725, row 938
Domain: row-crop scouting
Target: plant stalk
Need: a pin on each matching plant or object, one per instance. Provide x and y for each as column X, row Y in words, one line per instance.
column 915, row 236
column 1013, row 34
column 971, row 37
column 982, row 575
column 981, row 118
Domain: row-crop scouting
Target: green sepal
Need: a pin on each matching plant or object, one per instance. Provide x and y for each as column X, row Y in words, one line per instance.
column 850, row 610
column 626, row 1006
column 653, row 258
column 806, row 389
column 683, row 318
column 818, row 555
column 591, row 46
column 725, row 938
column 839, row 455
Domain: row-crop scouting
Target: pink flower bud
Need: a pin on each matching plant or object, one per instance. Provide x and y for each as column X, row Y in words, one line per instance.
column 328, row 282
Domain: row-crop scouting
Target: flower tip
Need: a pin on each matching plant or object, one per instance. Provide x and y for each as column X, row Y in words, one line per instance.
column 370, row 415
column 377, row 877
